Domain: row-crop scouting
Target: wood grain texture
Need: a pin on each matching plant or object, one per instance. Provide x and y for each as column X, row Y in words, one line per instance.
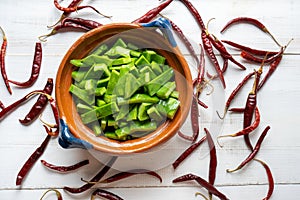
column 23, row 21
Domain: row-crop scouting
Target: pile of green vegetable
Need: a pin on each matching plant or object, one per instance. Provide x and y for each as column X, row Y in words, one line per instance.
column 123, row 92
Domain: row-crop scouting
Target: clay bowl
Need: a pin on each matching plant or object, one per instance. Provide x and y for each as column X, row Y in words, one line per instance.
column 145, row 37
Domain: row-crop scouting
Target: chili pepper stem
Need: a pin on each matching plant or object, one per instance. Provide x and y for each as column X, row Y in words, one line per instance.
column 58, row 194
column 202, row 195
column 42, row 38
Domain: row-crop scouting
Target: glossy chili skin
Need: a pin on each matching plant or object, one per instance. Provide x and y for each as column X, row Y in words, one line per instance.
column 36, row 66
column 32, row 160
column 54, row 108
column 65, row 168
column 248, row 129
column 209, row 50
column 195, row 13
column 270, row 179
column 105, row 194
column 272, row 68
column 223, row 51
column 8, row 109
column 183, row 38
column 257, row 52
column 253, row 58
column 249, row 20
column 89, row 24
column 235, row 92
column 70, row 9
column 39, row 105
column 151, row 14
column 212, row 189
column 95, row 179
column 60, row 27
column 213, row 158
column 188, row 152
column 251, row 106
column 254, row 152
column 2, row 60
column 125, row 174
column 2, row 105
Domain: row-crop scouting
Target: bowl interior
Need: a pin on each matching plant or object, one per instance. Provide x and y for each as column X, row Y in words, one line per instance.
column 142, row 37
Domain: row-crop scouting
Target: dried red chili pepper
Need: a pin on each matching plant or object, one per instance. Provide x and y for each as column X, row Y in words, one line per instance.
column 254, row 152
column 195, row 13
column 70, row 9
column 252, row 21
column 125, row 174
column 212, row 189
column 105, row 194
column 94, row 180
column 7, row 110
column 65, row 168
column 248, row 129
column 183, row 38
column 40, row 104
column 238, row 110
column 270, row 179
column 36, row 66
column 213, row 159
column 188, row 152
column 58, row 194
column 32, row 160
column 251, row 105
column 222, row 49
column 194, row 120
column 250, row 50
column 255, row 59
column 151, row 14
column 234, row 93
column 90, row 24
column 272, row 68
column 2, row 60
column 65, row 26
column 2, row 105
column 48, row 127
column 209, row 50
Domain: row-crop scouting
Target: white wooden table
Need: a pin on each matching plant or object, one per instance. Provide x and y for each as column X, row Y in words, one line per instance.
column 23, row 21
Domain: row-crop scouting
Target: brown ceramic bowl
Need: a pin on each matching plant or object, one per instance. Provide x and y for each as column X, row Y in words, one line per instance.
column 140, row 36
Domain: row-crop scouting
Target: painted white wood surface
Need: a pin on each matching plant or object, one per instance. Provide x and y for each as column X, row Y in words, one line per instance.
column 23, row 21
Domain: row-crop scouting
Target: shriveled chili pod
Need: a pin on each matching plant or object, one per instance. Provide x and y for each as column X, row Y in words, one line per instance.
column 187, row 152
column 252, row 21
column 234, row 93
column 213, row 159
column 90, row 24
column 125, row 174
column 70, row 9
column 94, row 180
column 32, row 160
column 151, row 14
column 253, row 153
column 248, row 129
column 270, row 179
column 39, row 105
column 36, row 66
column 8, row 109
column 257, row 52
column 60, row 27
column 2, row 60
column 64, row 169
column 212, row 189
column 105, row 194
